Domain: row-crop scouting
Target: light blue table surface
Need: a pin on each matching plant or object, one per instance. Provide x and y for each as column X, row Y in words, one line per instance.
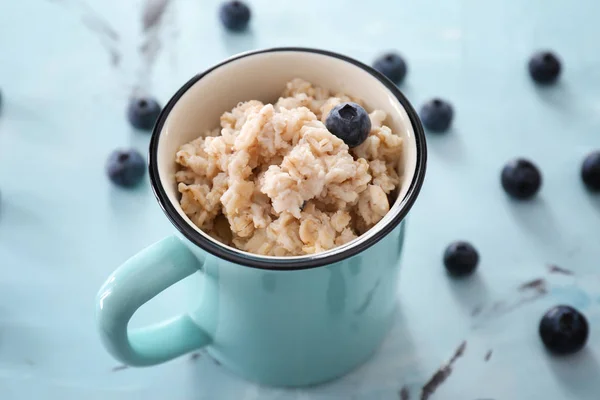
column 67, row 70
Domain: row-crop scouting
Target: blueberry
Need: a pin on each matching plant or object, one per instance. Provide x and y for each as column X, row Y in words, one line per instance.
column 521, row 179
column 461, row 258
column 564, row 330
column 544, row 67
column 437, row 115
column 590, row 171
column 126, row 167
column 350, row 122
column 234, row 15
column 392, row 65
column 143, row 112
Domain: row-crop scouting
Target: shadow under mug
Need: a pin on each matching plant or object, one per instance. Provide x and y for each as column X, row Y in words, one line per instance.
column 284, row 321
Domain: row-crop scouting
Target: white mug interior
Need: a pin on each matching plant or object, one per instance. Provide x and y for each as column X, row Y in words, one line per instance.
column 263, row 76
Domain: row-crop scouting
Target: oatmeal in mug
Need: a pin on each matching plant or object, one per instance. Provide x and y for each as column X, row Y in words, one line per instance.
column 274, row 180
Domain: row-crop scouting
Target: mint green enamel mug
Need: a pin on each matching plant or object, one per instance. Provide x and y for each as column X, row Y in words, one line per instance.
column 284, row 321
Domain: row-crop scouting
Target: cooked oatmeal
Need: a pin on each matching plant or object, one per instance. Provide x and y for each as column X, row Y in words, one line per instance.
column 273, row 180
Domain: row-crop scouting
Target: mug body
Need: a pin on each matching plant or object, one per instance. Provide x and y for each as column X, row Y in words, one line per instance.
column 301, row 327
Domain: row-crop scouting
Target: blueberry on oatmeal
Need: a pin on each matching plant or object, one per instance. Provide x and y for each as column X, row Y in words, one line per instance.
column 234, row 15
column 126, row 168
column 350, row 122
column 143, row 112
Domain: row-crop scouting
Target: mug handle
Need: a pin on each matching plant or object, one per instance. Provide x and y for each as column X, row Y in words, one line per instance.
column 134, row 283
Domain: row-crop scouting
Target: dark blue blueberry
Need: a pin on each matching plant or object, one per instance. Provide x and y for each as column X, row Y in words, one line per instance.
column 350, row 122
column 564, row 330
column 590, row 171
column 437, row 115
column 392, row 65
column 521, row 179
column 461, row 258
column 126, row 167
column 143, row 112
column 235, row 15
column 544, row 67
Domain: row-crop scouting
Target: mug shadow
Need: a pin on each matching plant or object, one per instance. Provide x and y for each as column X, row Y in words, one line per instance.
column 471, row 293
column 216, row 379
column 536, row 217
column 578, row 374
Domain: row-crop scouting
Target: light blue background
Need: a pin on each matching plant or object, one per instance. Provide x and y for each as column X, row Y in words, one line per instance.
column 64, row 227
